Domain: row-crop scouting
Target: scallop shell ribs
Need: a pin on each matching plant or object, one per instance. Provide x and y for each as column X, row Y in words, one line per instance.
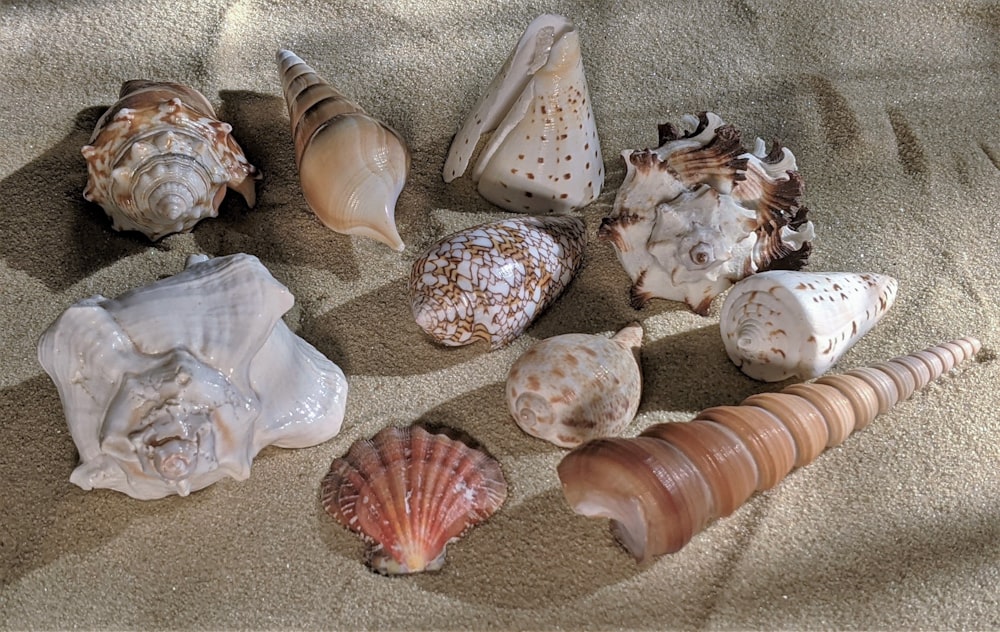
column 491, row 281
column 409, row 492
column 664, row 486
column 699, row 213
column 159, row 161
column 352, row 166
column 543, row 153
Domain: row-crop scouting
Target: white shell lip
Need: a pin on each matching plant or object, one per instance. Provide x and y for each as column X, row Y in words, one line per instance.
column 180, row 383
column 786, row 324
column 544, row 153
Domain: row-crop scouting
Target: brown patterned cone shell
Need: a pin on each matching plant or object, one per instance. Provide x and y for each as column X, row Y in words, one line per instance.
column 409, row 492
column 571, row 388
column 352, row 166
column 661, row 488
column 491, row 281
column 159, row 160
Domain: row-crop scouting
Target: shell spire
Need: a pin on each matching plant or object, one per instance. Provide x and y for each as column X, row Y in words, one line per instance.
column 159, row 161
column 543, row 154
column 352, row 167
column 699, row 213
column 410, row 492
column 661, row 488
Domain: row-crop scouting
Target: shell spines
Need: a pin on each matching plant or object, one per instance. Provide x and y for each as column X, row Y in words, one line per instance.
column 600, row 477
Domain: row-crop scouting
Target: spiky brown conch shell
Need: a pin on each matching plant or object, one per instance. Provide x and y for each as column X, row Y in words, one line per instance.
column 663, row 487
column 491, row 281
column 409, row 492
column 352, row 166
column 703, row 185
column 159, row 160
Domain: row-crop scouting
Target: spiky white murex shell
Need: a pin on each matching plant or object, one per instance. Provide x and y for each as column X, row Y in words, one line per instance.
column 489, row 282
column 571, row 388
column 544, row 155
column 782, row 324
column 699, row 213
column 180, row 383
column 159, row 161
column 352, row 166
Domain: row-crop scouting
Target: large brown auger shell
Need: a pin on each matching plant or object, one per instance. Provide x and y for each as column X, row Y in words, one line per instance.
column 664, row 486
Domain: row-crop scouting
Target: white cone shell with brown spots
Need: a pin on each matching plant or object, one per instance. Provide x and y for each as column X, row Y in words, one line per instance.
column 782, row 324
column 491, row 281
column 543, row 155
column 575, row 387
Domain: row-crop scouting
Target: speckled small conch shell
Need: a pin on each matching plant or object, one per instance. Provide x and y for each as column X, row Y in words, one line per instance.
column 782, row 324
column 661, row 488
column 575, row 387
column 543, row 155
column 180, row 383
column 409, row 492
column 699, row 213
column 159, row 161
column 352, row 166
column 491, row 281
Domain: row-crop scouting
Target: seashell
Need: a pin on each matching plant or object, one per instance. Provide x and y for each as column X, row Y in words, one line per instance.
column 699, row 213
column 783, row 324
column 409, row 493
column 491, row 281
column 178, row 384
column 352, row 167
column 575, row 387
column 666, row 485
column 159, row 161
column 543, row 155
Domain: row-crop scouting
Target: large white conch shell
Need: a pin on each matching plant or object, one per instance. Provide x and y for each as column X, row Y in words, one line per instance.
column 782, row 324
column 571, row 388
column 352, row 166
column 699, row 213
column 544, row 155
column 159, row 161
column 178, row 384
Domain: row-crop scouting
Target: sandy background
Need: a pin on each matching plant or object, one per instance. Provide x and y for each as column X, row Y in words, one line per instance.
column 891, row 110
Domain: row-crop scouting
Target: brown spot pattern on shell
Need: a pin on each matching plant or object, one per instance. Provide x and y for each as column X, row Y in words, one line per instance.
column 570, row 388
column 409, row 492
column 352, row 166
column 663, row 487
column 159, row 161
column 489, row 282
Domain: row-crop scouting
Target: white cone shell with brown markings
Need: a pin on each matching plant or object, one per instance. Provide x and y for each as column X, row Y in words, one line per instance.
column 352, row 166
column 159, row 161
column 575, row 387
column 782, row 324
column 489, row 282
column 544, row 155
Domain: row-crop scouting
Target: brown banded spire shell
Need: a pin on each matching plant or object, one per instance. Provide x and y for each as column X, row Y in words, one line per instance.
column 409, row 492
column 159, row 161
column 661, row 488
column 352, row 167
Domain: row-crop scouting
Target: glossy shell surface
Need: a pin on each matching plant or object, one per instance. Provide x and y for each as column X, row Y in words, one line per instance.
column 543, row 154
column 782, row 324
column 491, row 281
column 661, row 488
column 180, row 383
